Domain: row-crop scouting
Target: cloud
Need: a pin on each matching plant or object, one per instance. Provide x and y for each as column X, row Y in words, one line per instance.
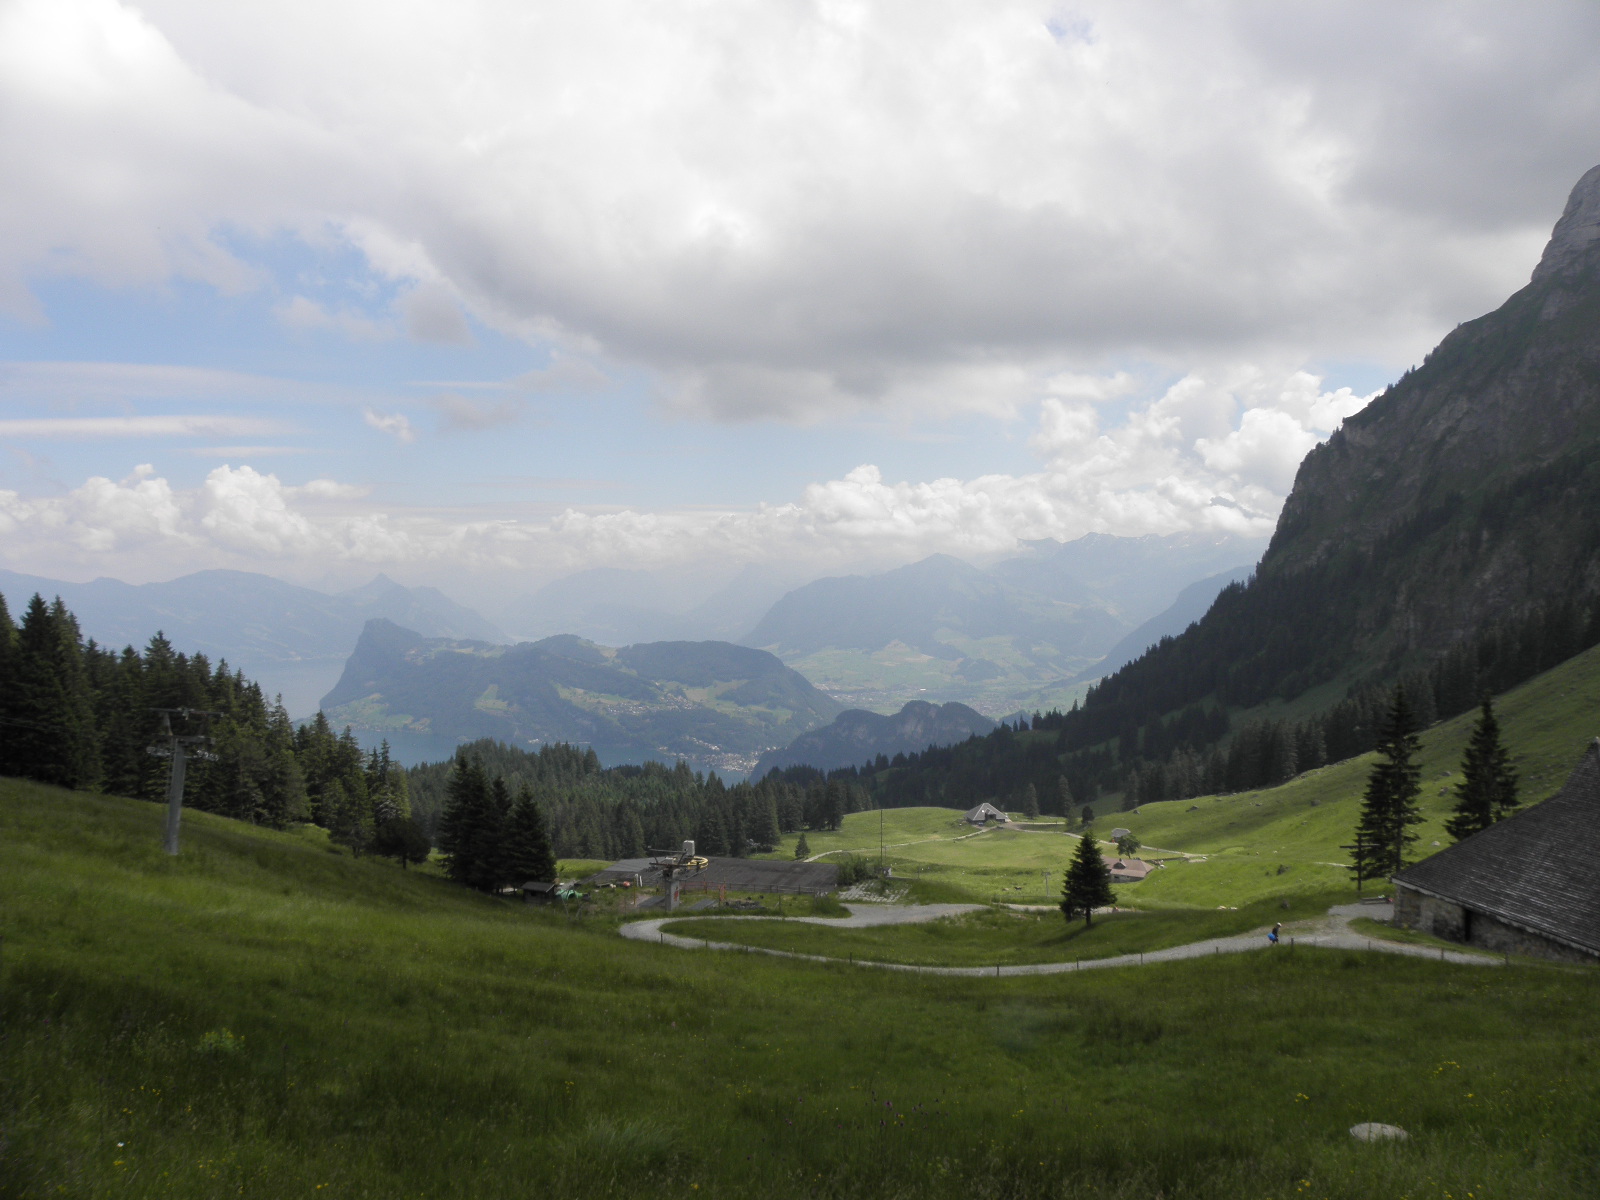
column 300, row 312
column 397, row 425
column 431, row 314
column 798, row 210
column 138, row 427
column 1211, row 452
column 462, row 414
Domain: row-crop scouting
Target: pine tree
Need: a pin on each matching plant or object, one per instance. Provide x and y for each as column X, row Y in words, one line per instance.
column 1088, row 883
column 1488, row 788
column 528, row 854
column 1389, row 806
column 1064, row 797
column 801, row 848
column 51, row 734
column 1088, row 816
column 1030, row 802
column 467, row 826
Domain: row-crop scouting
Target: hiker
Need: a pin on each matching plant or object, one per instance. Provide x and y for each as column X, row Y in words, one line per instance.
column 1273, row 936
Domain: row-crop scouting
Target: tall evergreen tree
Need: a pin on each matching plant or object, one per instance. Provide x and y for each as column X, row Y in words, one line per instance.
column 1488, row 788
column 467, row 825
column 1389, row 805
column 1030, row 802
column 528, row 854
column 50, row 710
column 1088, row 882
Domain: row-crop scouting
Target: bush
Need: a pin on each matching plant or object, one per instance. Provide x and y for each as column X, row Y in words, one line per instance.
column 855, row 869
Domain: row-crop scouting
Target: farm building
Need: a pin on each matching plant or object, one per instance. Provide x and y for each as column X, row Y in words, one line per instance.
column 1526, row 885
column 985, row 813
column 1126, row 870
column 739, row 874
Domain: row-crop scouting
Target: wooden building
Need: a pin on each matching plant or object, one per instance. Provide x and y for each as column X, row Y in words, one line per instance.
column 1529, row 884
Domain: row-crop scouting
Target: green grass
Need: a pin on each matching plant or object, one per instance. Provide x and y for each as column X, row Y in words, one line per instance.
column 263, row 1018
column 1276, row 843
column 1000, row 936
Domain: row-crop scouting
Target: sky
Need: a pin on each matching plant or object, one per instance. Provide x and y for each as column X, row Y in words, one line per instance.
column 483, row 294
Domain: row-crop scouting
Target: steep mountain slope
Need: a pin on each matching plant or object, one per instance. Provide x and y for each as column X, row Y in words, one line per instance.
column 290, row 639
column 715, row 704
column 1467, row 494
column 1192, row 604
column 859, row 736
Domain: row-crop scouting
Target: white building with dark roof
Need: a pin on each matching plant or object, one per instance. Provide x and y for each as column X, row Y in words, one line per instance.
column 1529, row 884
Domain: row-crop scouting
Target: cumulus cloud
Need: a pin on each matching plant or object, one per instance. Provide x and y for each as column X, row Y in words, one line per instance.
column 796, row 209
column 1209, row 453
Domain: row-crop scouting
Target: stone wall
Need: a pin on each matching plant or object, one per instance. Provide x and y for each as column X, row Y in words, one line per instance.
column 1454, row 923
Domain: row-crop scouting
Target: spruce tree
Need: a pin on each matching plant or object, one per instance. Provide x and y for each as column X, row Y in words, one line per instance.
column 51, row 728
column 1064, row 797
column 802, row 848
column 1088, row 882
column 528, row 854
column 1389, row 806
column 1030, row 802
column 464, row 822
column 1488, row 788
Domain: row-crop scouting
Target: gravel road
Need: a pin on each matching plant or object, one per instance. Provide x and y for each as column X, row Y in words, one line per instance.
column 1332, row 931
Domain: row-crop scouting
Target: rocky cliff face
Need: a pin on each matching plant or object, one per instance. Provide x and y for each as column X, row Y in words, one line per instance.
column 1471, row 488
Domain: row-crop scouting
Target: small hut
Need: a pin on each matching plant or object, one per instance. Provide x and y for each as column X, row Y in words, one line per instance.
column 985, row 813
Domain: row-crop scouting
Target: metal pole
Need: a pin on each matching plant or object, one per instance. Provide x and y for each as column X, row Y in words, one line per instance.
column 175, row 795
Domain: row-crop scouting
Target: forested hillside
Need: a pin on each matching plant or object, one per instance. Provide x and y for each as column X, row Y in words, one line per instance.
column 596, row 812
column 81, row 715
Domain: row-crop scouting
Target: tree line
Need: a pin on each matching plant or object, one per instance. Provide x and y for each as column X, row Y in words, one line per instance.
column 81, row 715
column 595, row 812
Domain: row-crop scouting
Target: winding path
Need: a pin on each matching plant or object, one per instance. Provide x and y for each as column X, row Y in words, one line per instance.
column 1332, row 932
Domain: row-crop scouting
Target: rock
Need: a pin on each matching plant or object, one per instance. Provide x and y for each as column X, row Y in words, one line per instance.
column 1375, row 1131
column 1575, row 232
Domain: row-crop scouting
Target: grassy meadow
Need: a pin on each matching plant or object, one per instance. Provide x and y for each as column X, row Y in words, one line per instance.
column 1277, row 843
column 265, row 1017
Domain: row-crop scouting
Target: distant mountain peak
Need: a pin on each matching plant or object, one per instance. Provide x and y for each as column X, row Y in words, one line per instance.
column 1572, row 243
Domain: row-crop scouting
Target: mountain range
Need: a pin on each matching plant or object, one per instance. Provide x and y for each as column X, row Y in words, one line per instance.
column 292, row 640
column 1022, row 633
column 714, row 704
column 859, row 736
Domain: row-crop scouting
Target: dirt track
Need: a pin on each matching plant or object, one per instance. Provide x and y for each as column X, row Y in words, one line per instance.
column 1332, row 931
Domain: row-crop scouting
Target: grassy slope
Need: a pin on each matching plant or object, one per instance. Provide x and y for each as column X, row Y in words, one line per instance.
column 1247, row 837
column 264, row 1018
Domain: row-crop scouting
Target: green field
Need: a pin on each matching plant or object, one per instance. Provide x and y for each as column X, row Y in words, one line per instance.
column 1282, row 842
column 265, row 1017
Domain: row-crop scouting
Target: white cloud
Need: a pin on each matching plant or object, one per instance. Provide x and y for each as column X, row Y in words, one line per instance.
column 798, row 209
column 1211, row 452
column 397, row 425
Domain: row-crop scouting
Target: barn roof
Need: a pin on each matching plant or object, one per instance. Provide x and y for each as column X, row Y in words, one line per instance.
column 1538, row 870
column 984, row 811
